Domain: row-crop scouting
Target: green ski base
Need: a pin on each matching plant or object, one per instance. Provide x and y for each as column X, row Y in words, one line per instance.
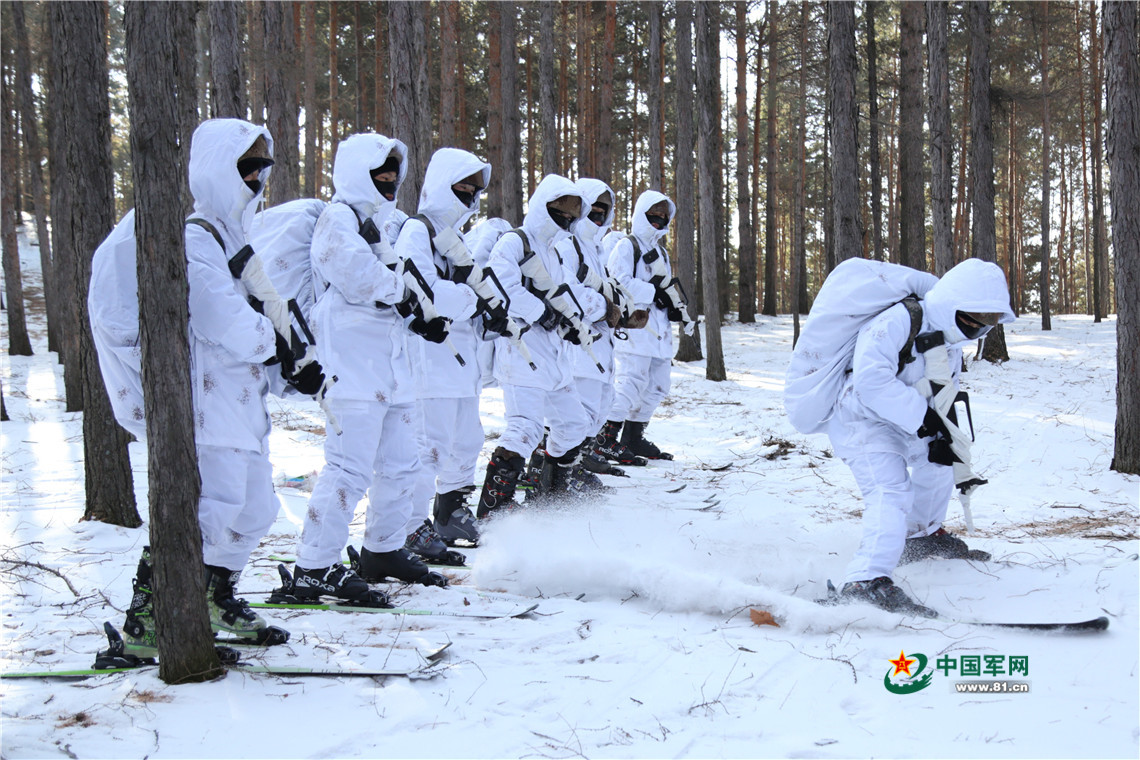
column 518, row 611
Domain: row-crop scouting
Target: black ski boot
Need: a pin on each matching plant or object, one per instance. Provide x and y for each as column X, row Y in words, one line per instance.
column 558, row 482
column 633, row 436
column 428, row 546
column 940, row 543
column 884, row 594
column 400, row 564
column 335, row 580
column 596, row 463
column 503, row 473
column 453, row 520
column 233, row 615
column 141, row 640
column 607, row 445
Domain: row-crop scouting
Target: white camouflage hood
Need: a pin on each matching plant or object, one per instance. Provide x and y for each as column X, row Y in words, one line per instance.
column 648, row 235
column 974, row 285
column 591, row 189
column 218, row 189
column 537, row 223
column 437, row 200
column 356, row 157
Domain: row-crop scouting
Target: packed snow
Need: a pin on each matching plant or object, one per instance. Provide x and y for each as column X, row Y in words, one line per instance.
column 643, row 642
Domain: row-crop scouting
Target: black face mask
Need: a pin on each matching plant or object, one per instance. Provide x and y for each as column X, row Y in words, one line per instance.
column 971, row 330
column 387, row 189
column 658, row 221
column 560, row 218
column 465, row 198
column 248, row 166
column 254, row 185
column 598, row 217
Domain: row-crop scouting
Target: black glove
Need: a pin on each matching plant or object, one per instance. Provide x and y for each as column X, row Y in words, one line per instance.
column 308, row 379
column 283, row 355
column 549, row 319
column 570, row 334
column 433, row 330
column 496, row 322
column 662, row 300
column 941, row 452
column 674, row 314
column 932, row 425
column 460, row 274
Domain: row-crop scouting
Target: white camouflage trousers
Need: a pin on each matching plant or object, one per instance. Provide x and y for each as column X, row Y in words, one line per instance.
column 377, row 453
column 237, row 505
column 450, row 437
column 527, row 411
column 640, row 384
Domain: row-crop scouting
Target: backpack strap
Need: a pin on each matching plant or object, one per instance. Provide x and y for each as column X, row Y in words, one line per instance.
column 914, row 308
column 208, row 228
column 239, row 260
column 527, row 253
column 636, row 250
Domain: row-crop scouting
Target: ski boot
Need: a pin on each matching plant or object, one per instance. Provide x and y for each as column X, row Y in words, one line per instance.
column 596, row 463
column 335, row 580
column 633, row 436
column 141, row 640
column 940, row 543
column 233, row 615
column 608, row 446
column 401, row 564
column 429, row 546
column 884, row 594
column 503, row 473
column 557, row 478
column 453, row 520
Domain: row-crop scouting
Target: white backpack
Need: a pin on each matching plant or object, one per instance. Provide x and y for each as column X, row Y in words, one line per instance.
column 282, row 236
column 855, row 292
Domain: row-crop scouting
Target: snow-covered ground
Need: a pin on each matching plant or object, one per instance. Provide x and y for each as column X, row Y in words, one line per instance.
column 642, row 644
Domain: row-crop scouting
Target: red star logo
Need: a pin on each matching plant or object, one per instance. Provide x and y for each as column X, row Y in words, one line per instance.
column 902, row 664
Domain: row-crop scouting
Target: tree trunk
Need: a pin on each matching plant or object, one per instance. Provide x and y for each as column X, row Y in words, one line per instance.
column 708, row 58
column 357, row 73
column 983, row 233
column 653, row 88
column 334, row 75
column 495, row 204
column 961, row 207
column 18, row 342
column 408, row 69
column 1100, row 236
column 912, row 213
column 511, row 131
column 746, row 299
column 449, row 82
column 380, row 89
column 688, row 348
column 941, row 141
column 547, row 92
column 584, row 91
column 873, row 137
column 255, row 52
column 227, row 63
column 1123, row 73
column 312, row 120
column 799, row 223
column 848, row 237
column 35, row 161
column 771, row 187
column 604, row 117
column 1046, row 194
column 281, row 94
column 186, row 68
column 185, row 642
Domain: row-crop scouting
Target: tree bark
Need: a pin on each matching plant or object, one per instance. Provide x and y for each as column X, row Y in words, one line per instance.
column 255, row 52
column 941, row 141
column 873, row 136
column 495, row 204
column 227, row 64
column 1123, row 73
column 1045, row 289
column 912, row 214
column 185, row 642
column 653, row 92
column 771, row 189
column 688, row 348
column 19, row 344
column 448, row 64
column 358, row 73
column 1100, row 232
column 584, row 91
column 511, row 131
column 334, row 75
column 281, row 93
column 312, row 120
column 379, row 86
column 35, row 160
column 408, row 68
column 799, row 223
column 604, row 115
column 547, row 92
column 746, row 300
column 848, row 236
column 983, row 232
column 708, row 70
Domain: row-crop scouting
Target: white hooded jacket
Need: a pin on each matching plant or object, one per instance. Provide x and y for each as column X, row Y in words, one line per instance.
column 437, row 373
column 364, row 346
column 228, row 339
column 548, row 350
column 657, row 339
column 879, row 408
column 589, row 241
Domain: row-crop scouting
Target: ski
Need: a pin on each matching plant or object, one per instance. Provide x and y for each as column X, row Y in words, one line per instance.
column 289, row 559
column 1092, row 625
column 515, row 612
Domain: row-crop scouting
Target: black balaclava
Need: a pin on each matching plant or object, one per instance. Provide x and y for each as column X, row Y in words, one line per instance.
column 468, row 198
column 387, row 189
